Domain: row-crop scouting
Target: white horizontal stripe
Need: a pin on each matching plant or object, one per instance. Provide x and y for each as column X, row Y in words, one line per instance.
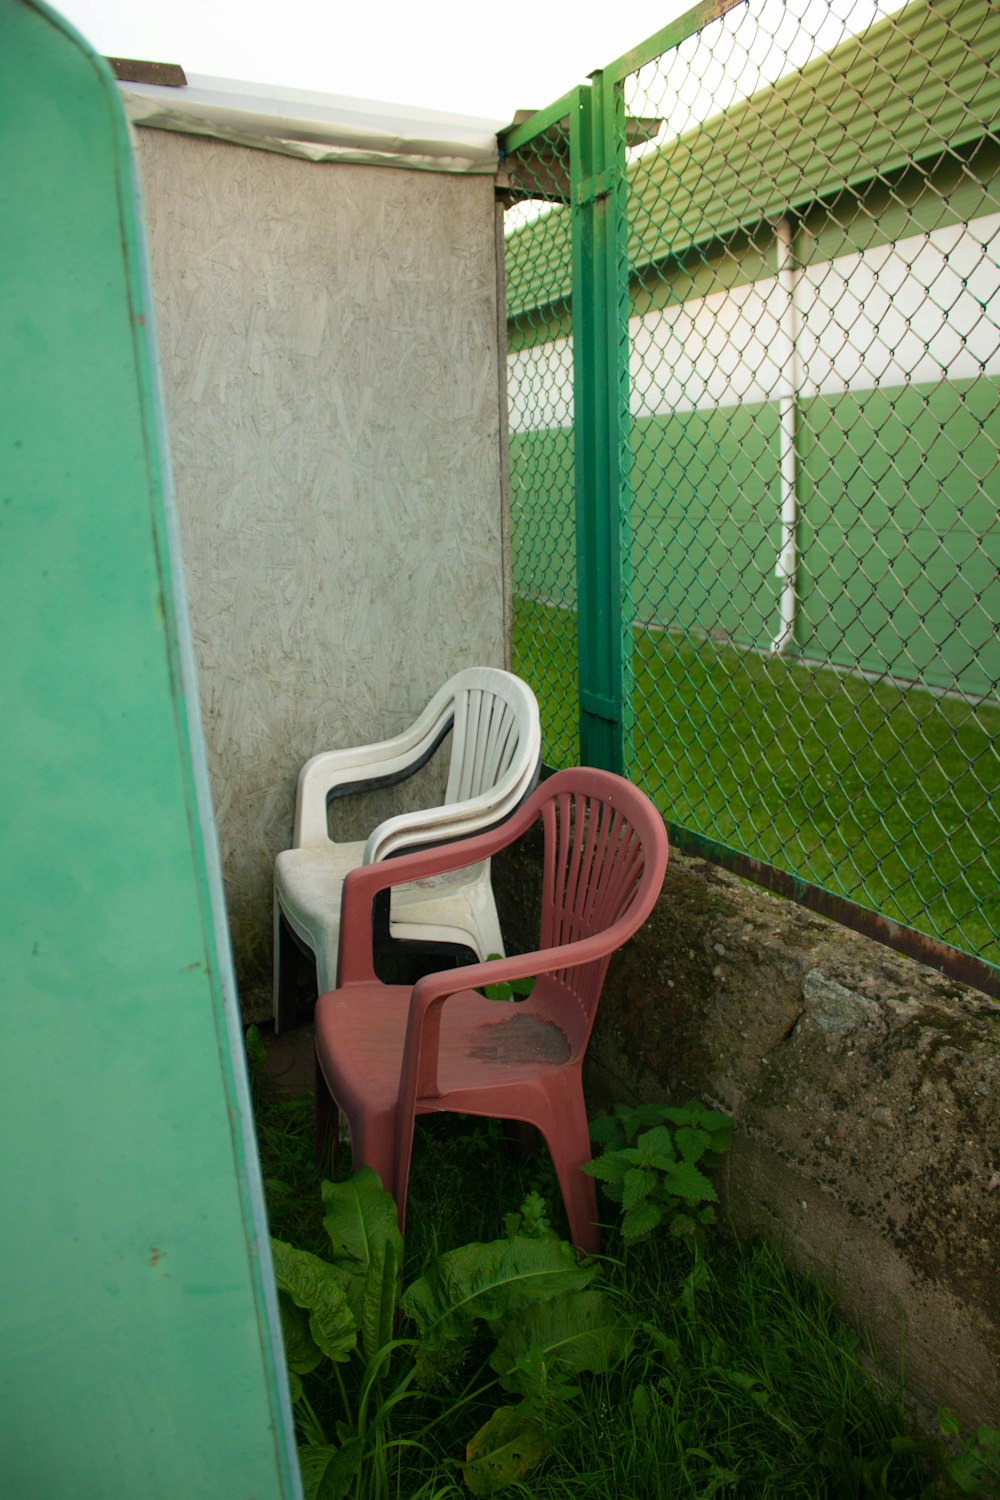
column 923, row 309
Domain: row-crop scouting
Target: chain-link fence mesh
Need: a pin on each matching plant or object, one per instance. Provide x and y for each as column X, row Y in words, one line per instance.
column 813, row 308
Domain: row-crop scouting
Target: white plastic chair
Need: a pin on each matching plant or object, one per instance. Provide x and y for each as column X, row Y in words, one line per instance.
column 495, row 758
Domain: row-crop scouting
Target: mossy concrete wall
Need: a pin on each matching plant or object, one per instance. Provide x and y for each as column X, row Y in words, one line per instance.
column 866, row 1094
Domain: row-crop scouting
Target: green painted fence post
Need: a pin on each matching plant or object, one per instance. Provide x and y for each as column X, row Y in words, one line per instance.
column 601, row 423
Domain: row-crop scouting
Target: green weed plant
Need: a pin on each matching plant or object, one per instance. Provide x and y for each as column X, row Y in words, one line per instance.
column 546, row 1326
column 653, row 1165
column 486, row 1358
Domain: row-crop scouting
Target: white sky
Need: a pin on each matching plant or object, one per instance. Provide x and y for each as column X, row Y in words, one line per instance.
column 459, row 56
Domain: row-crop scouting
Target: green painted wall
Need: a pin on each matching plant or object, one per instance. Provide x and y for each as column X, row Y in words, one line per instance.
column 139, row 1348
column 543, row 515
column 899, row 536
column 706, row 524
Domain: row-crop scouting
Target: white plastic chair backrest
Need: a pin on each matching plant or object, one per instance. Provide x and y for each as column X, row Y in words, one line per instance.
column 495, row 757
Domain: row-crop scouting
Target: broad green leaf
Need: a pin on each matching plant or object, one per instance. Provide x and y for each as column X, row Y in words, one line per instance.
column 576, row 1331
column 688, row 1183
column 641, row 1407
column 327, row 1471
column 379, row 1297
column 361, row 1221
column 366, row 1248
column 508, row 1447
column 669, row 1348
column 294, row 1386
column 302, row 1354
column 637, row 1185
column 486, row 1280
column 640, row 1220
column 314, row 1285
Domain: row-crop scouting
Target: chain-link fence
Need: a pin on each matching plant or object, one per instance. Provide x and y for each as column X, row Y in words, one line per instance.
column 754, row 331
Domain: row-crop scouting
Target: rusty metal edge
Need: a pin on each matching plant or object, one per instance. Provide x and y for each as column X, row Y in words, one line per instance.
column 137, row 70
column 952, row 962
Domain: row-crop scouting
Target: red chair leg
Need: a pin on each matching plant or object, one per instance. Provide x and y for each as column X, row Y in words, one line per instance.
column 372, row 1146
column 568, row 1139
column 580, row 1198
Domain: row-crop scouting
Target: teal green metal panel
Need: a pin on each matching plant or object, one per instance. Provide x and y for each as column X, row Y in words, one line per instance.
column 139, row 1346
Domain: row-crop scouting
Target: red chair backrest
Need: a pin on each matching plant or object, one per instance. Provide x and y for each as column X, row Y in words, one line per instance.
column 605, row 858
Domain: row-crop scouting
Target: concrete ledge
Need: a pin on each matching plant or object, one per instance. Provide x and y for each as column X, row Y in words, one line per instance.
column 865, row 1089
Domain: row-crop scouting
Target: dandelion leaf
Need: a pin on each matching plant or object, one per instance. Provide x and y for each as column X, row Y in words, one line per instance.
column 508, row 1447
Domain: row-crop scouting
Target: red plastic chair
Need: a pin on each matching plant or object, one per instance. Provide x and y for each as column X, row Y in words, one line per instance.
column 386, row 1053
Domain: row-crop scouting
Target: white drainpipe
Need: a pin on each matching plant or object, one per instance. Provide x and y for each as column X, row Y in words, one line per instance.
column 787, row 564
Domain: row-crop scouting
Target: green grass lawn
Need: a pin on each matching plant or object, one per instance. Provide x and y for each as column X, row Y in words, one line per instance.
column 887, row 796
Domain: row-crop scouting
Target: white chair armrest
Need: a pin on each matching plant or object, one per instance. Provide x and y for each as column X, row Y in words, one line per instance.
column 456, row 820
column 387, row 761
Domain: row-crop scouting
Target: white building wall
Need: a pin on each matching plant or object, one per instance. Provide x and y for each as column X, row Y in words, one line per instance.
column 328, row 340
column 919, row 310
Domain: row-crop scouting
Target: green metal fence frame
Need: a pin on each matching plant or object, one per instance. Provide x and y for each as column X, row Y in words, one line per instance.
column 593, row 118
column 598, row 193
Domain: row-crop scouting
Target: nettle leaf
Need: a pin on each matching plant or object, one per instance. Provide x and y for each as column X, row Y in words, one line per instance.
column 695, row 1115
column 540, row 1379
column 686, row 1182
column 637, row 1185
column 487, row 1280
column 302, row 1354
column 642, row 1117
column 509, row 1446
column 575, row 1331
column 327, row 1471
column 316, row 1286
column 658, row 1142
column 606, row 1130
column 611, row 1167
column 639, row 1221
column 692, row 1143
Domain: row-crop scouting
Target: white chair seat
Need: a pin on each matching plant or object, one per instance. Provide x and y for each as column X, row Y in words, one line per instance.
column 455, row 908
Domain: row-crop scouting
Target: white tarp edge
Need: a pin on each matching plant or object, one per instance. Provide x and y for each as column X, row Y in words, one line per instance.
column 317, row 127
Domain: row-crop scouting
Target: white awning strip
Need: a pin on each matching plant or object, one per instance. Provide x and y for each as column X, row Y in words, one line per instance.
column 317, row 127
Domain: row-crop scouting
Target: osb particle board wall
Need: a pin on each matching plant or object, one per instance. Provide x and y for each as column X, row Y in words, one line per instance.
column 328, row 346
